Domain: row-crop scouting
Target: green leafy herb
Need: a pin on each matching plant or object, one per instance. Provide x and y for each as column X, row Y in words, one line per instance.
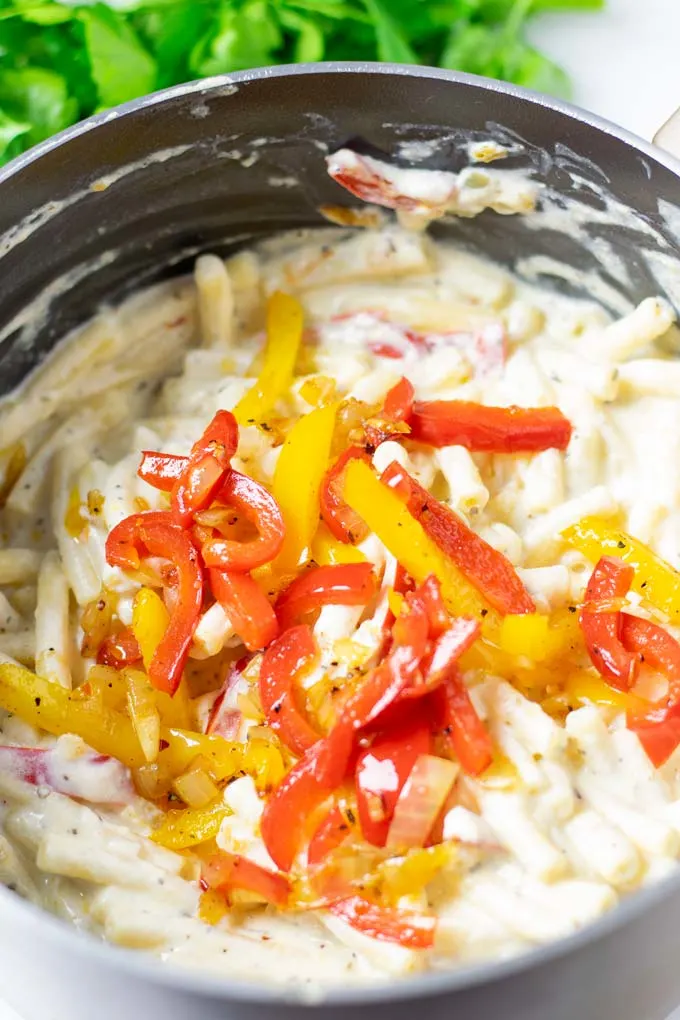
column 61, row 60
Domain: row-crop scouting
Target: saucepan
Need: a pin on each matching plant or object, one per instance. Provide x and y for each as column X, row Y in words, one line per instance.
column 132, row 195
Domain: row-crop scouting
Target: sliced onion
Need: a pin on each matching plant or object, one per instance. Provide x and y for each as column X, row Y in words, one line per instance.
column 420, row 801
column 225, row 718
column 196, row 788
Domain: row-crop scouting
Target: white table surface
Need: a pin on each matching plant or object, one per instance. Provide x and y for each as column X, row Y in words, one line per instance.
column 624, row 65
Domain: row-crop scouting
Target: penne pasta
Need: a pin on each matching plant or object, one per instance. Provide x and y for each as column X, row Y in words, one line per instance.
column 52, row 634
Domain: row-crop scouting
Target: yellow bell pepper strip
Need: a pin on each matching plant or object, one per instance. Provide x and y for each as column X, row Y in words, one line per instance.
column 297, row 480
column 390, row 519
column 525, row 634
column 181, row 829
column 212, row 907
column 183, row 747
column 655, row 579
column 586, row 687
column 49, row 707
column 150, row 621
column 175, row 710
column 143, row 712
column 264, row 762
column 284, row 334
column 328, row 550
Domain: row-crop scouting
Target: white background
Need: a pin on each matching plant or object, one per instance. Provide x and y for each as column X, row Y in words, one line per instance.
column 625, row 65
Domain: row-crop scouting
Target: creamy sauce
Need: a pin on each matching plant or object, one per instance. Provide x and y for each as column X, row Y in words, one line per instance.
column 576, row 816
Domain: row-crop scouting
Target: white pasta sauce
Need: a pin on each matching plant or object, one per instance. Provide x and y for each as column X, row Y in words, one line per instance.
column 577, row 816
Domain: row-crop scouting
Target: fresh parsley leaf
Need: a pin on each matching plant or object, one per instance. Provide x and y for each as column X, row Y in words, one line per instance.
column 121, row 68
column 308, row 37
column 11, row 132
column 392, row 44
column 38, row 98
column 245, row 36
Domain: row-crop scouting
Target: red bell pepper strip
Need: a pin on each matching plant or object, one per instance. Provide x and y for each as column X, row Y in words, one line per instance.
column 655, row 646
column 383, row 769
column 332, row 832
column 489, row 570
column 247, row 607
column 119, row 650
column 340, row 519
column 429, row 596
column 446, row 652
column 124, row 546
column 398, row 404
column 610, row 581
column 209, row 460
column 341, row 584
column 403, row 583
column 282, row 661
column 153, row 534
column 387, row 924
column 288, row 808
column 463, row 730
column 659, row 729
column 259, row 507
column 224, row 872
column 167, row 665
column 380, row 690
column 162, row 470
column 397, row 408
column 489, row 429
column 658, row 732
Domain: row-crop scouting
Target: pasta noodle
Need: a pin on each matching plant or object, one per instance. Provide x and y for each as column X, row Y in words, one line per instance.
column 569, row 815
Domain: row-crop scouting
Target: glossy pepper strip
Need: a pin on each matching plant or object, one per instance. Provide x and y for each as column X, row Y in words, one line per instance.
column 332, row 833
column 225, row 872
column 260, row 508
column 291, row 653
column 346, row 584
column 447, row 650
column 462, row 729
column 489, row 570
column 399, row 676
column 284, row 334
column 286, row 813
column 119, row 650
column 247, row 607
column 124, row 545
column 297, row 481
column 150, row 619
column 209, row 460
column 386, row 515
column 610, row 581
column 656, row 647
column 187, row 827
column 50, row 707
column 654, row 579
column 162, row 470
column 658, row 728
column 489, row 429
column 387, row 924
column 391, row 421
column 341, row 520
column 152, row 534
